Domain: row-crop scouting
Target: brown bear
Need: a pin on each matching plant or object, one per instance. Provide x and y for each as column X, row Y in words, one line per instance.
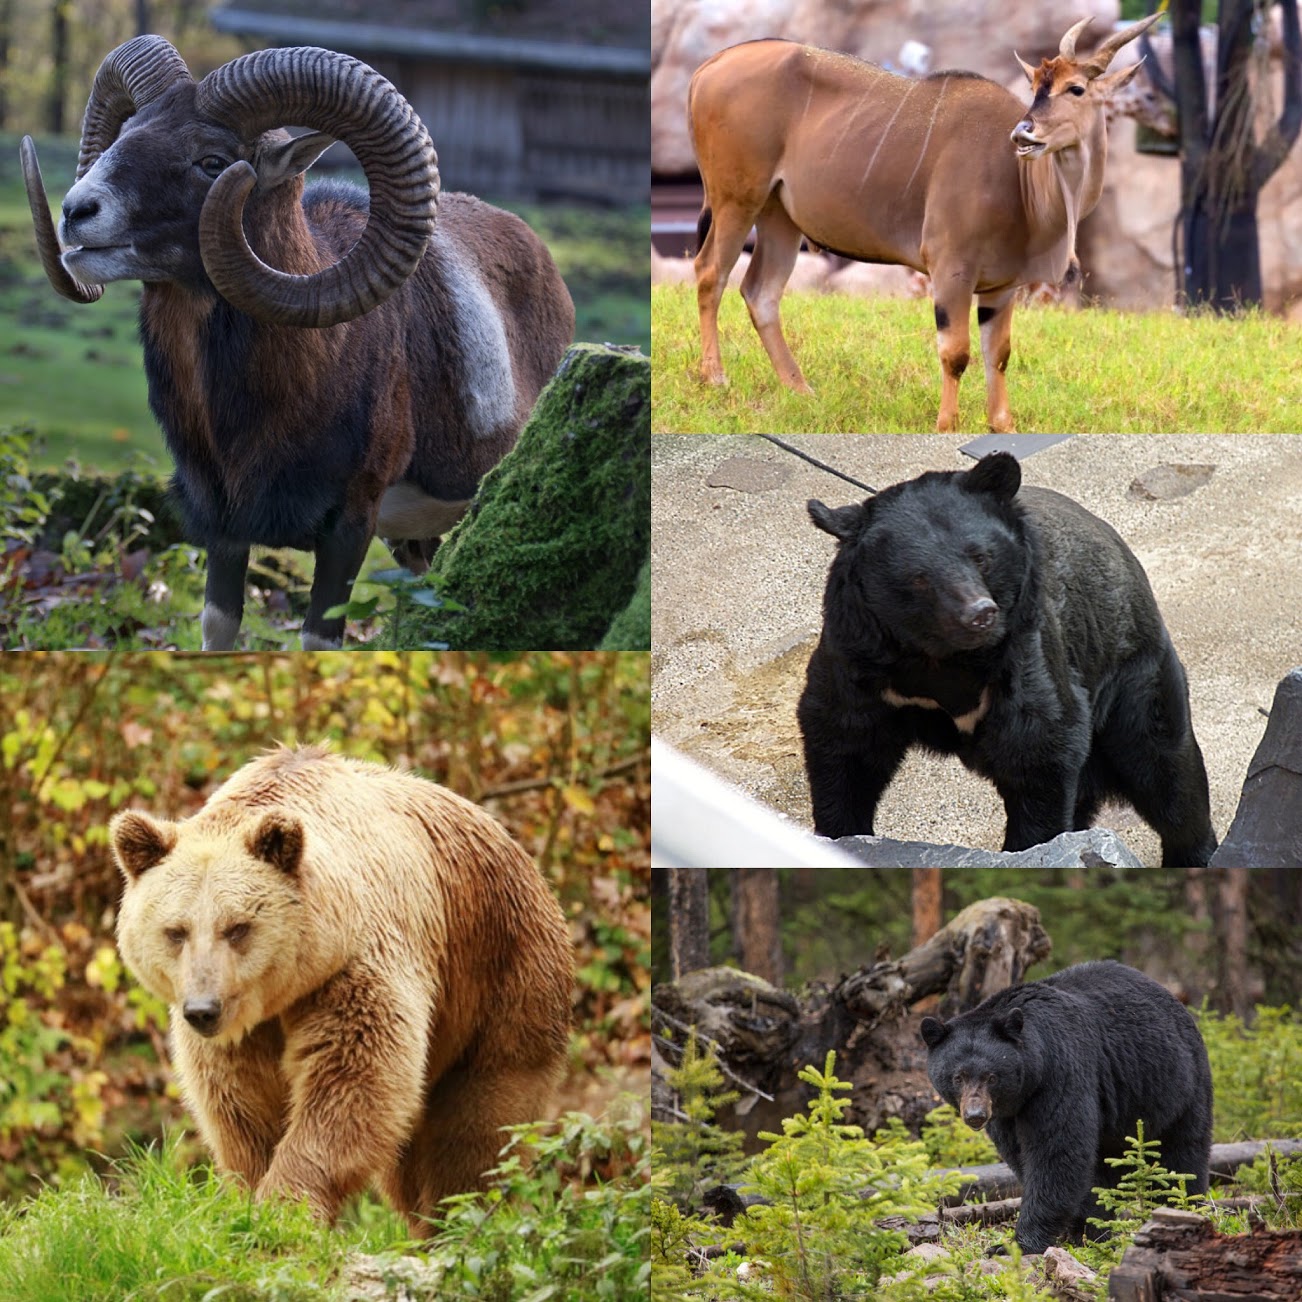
column 368, row 978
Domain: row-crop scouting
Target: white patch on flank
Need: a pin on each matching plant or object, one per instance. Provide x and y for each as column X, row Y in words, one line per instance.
column 490, row 384
column 926, row 140
column 963, row 722
column 886, row 131
column 311, row 642
column 408, row 512
column 218, row 628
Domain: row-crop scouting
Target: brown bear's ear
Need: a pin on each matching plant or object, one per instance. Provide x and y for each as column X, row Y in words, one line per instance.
column 139, row 842
column 278, row 840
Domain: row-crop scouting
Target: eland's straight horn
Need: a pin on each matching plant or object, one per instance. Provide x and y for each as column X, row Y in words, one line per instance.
column 949, row 174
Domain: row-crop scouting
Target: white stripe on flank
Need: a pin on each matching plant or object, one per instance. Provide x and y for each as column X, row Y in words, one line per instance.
column 935, row 108
column 886, row 131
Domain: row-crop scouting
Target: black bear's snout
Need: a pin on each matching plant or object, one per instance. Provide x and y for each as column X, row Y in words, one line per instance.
column 976, row 1117
column 203, row 1014
column 980, row 614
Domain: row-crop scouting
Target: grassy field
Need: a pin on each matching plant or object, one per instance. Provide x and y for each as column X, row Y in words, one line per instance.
column 872, row 364
column 74, row 373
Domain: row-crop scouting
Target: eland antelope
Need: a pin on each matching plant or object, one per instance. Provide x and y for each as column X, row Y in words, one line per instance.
column 950, row 174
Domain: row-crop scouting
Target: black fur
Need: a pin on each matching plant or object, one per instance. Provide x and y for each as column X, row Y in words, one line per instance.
column 1031, row 626
column 1060, row 1070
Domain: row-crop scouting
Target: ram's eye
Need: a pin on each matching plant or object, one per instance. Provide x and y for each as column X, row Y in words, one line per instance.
column 175, row 935
column 1075, row 90
column 237, row 933
column 213, row 165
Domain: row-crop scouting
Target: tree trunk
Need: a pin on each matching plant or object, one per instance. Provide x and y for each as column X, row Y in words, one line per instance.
column 927, row 888
column 756, row 923
column 689, row 920
column 1223, row 166
column 1234, row 941
column 59, row 11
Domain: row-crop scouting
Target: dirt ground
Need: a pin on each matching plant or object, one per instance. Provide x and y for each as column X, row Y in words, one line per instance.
column 738, row 576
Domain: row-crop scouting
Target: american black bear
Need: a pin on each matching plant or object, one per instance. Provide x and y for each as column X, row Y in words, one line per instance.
column 1014, row 630
column 1060, row 1070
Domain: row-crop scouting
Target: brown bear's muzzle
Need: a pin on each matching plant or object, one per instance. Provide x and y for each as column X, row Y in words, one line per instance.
column 203, row 1015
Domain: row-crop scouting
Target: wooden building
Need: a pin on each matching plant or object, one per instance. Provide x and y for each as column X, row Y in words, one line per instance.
column 525, row 98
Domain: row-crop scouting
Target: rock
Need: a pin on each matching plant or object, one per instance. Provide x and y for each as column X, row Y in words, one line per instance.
column 1267, row 827
column 1096, row 848
column 552, row 550
column 976, row 35
column 1164, row 482
column 748, row 475
column 631, row 630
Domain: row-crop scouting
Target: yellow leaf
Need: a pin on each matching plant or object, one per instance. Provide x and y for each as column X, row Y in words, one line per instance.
column 579, row 800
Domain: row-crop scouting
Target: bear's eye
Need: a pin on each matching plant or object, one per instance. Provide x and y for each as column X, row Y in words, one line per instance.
column 981, row 561
column 237, row 933
column 175, row 935
column 919, row 583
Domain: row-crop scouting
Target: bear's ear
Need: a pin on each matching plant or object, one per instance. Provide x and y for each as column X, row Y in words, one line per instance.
column 933, row 1031
column 841, row 522
column 139, row 842
column 278, row 840
column 998, row 474
column 1010, row 1025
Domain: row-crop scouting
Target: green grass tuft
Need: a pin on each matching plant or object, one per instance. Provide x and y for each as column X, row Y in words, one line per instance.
column 872, row 364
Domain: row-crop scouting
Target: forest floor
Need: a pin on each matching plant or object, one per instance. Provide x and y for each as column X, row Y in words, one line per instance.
column 738, row 575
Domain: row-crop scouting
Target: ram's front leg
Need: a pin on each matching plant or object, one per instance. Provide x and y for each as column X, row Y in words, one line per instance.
column 223, row 597
column 339, row 555
column 355, row 1059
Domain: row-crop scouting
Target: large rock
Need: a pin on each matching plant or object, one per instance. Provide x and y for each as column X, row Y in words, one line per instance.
column 978, row 35
column 1096, row 848
column 1267, row 828
column 553, row 547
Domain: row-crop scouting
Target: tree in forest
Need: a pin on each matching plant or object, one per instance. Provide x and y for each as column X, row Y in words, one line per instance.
column 756, row 925
column 689, row 920
column 1223, row 164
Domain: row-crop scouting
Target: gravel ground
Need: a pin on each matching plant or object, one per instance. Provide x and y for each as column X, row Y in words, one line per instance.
column 738, row 577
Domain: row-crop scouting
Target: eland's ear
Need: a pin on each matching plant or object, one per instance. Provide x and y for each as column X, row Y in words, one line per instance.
column 277, row 161
column 933, row 1031
column 840, row 521
column 278, row 841
column 1114, row 81
column 139, row 842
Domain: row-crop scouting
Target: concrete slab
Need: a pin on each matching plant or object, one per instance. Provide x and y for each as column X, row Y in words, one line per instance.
column 738, row 579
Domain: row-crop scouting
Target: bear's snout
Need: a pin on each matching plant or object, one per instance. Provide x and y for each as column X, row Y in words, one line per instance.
column 976, row 1116
column 980, row 614
column 203, row 1015
column 974, row 1107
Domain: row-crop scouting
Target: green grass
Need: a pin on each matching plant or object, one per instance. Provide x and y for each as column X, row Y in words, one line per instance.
column 75, row 375
column 872, row 364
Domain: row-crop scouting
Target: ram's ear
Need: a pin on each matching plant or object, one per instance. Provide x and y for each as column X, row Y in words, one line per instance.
column 140, row 842
column 278, row 841
column 276, row 161
column 933, row 1031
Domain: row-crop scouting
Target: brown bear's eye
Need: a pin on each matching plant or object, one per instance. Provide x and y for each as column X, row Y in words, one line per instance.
column 237, row 933
column 175, row 935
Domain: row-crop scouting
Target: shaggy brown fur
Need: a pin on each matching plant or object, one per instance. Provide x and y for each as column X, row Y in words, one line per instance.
column 367, row 977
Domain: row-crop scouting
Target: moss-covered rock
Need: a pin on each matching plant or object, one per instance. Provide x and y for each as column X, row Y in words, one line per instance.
column 87, row 503
column 552, row 551
column 631, row 630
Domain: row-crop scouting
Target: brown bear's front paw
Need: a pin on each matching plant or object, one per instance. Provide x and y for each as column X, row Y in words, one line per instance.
column 297, row 1178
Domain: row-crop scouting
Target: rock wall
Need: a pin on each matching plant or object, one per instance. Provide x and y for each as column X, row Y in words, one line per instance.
column 1125, row 245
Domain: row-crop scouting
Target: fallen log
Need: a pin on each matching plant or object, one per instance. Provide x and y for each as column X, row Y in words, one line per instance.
column 1180, row 1255
column 763, row 1036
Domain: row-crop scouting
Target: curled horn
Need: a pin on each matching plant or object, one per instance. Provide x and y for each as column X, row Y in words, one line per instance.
column 344, row 98
column 130, row 77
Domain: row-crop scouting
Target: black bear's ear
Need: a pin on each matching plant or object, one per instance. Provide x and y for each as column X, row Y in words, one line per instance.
column 1010, row 1025
column 933, row 1031
column 841, row 522
column 278, row 840
column 998, row 474
column 140, row 842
